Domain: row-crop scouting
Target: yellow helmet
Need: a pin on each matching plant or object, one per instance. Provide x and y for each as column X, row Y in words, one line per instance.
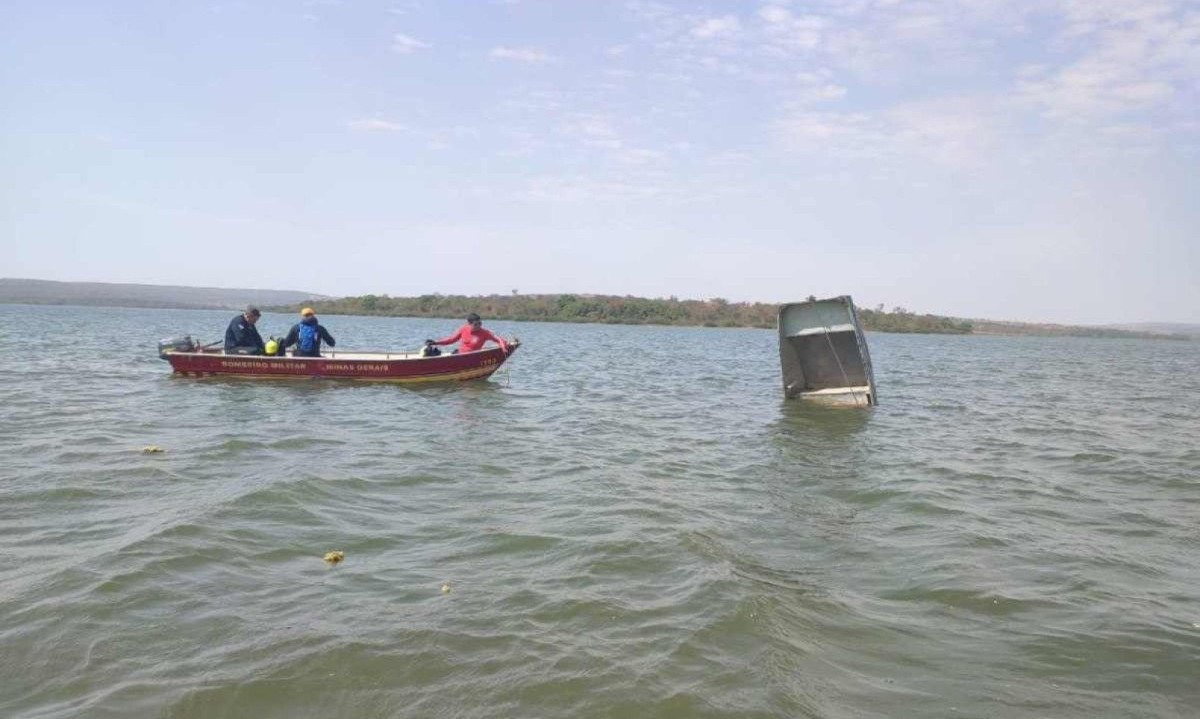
column 272, row 348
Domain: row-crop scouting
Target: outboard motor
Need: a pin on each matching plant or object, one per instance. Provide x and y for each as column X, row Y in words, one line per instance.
column 176, row 344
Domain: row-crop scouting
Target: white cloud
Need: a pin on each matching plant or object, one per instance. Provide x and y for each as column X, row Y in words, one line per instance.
column 816, row 87
column 1093, row 87
column 957, row 132
column 519, row 54
column 592, row 130
column 960, row 133
column 641, row 156
column 837, row 131
column 375, row 124
column 798, row 32
column 1132, row 58
column 826, row 92
column 407, row 45
column 712, row 27
column 775, row 14
column 1039, row 75
column 579, row 188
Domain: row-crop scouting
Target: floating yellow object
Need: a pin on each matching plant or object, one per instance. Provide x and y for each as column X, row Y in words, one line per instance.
column 445, row 589
column 152, row 449
column 335, row 556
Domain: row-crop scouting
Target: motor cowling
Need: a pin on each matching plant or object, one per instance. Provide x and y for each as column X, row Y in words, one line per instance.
column 176, row 344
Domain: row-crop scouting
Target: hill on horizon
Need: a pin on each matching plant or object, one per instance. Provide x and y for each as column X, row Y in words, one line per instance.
column 1170, row 328
column 112, row 294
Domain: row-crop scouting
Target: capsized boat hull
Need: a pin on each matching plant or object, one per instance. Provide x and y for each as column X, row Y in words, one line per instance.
column 401, row 367
column 823, row 353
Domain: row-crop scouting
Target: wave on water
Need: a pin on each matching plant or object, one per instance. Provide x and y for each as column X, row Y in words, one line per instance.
column 639, row 528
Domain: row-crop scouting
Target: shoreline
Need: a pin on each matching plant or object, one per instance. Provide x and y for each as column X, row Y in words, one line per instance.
column 1027, row 329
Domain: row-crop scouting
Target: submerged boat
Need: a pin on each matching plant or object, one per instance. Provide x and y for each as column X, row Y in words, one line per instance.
column 188, row 359
column 824, row 353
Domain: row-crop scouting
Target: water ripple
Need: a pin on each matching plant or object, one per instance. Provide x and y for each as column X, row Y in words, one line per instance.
column 640, row 527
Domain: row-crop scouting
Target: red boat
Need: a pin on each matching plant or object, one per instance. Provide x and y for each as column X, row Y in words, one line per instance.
column 189, row 360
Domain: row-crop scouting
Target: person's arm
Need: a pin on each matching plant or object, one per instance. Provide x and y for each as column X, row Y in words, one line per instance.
column 489, row 335
column 293, row 336
column 326, row 336
column 258, row 340
column 451, row 339
column 231, row 335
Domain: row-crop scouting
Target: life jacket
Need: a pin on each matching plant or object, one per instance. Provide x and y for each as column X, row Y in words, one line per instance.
column 309, row 339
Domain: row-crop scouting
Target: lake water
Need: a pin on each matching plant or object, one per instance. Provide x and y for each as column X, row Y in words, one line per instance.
column 631, row 522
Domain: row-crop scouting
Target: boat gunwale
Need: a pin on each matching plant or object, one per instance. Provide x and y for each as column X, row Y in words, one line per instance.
column 359, row 366
column 365, row 357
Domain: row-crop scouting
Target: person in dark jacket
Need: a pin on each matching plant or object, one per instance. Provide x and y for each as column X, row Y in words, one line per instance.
column 307, row 336
column 241, row 337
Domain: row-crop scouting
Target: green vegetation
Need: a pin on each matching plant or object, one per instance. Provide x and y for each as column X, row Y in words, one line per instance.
column 901, row 320
column 716, row 312
column 606, row 309
column 988, row 327
column 562, row 308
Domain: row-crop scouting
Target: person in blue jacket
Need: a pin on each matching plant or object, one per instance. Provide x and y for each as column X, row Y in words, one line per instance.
column 307, row 336
column 241, row 337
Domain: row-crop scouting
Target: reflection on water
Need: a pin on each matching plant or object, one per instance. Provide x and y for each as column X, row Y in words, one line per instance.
column 638, row 527
column 809, row 418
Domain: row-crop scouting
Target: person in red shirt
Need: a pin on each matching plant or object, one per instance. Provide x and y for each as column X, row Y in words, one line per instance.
column 470, row 337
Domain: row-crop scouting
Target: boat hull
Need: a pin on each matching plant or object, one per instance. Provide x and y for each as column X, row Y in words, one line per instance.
column 401, row 368
column 823, row 353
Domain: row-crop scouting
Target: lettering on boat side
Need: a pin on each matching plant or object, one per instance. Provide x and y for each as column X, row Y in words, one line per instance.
column 250, row 364
column 339, row 367
column 300, row 366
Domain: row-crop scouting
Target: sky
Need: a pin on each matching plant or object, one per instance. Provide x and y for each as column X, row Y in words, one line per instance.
column 983, row 158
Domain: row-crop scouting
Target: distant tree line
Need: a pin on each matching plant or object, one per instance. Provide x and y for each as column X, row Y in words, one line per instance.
column 901, row 320
column 715, row 312
column 608, row 309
